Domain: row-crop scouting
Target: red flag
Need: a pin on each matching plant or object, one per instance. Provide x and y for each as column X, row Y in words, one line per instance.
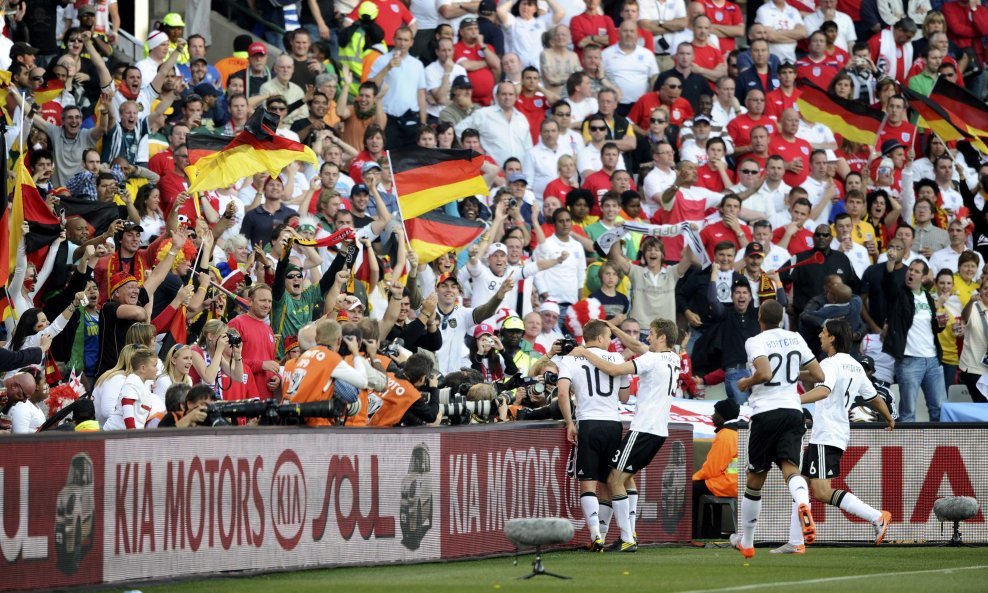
column 179, row 327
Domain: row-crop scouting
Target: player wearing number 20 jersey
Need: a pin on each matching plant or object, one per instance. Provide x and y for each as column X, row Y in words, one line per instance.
column 787, row 352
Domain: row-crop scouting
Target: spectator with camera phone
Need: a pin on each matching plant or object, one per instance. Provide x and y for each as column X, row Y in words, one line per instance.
column 456, row 321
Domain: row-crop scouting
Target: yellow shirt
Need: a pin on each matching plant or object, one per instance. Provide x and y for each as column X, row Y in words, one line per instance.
column 964, row 289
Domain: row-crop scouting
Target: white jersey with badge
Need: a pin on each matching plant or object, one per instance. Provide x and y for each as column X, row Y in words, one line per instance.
column 786, row 352
column 847, row 381
column 658, row 377
column 596, row 391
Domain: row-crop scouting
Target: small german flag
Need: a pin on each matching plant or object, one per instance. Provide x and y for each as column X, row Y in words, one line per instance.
column 433, row 234
column 428, row 179
column 852, row 120
column 201, row 145
column 961, row 103
column 944, row 123
column 49, row 92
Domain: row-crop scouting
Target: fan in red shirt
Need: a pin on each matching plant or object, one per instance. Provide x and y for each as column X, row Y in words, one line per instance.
column 816, row 66
column 739, row 128
column 592, row 27
column 258, row 340
column 478, row 60
column 892, row 50
column 532, row 102
column 728, row 228
column 708, row 61
column 784, row 97
column 793, row 237
column 968, row 25
column 836, row 54
column 601, row 182
column 795, row 151
column 897, row 127
column 727, row 22
column 715, row 175
column 373, row 150
column 669, row 96
column 391, row 14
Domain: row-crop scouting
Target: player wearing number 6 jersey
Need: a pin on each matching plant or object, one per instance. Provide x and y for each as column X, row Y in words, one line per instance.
column 597, row 432
column 780, row 359
column 845, row 381
column 657, row 368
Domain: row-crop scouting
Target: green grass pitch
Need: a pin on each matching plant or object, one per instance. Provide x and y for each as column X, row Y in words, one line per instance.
column 887, row 569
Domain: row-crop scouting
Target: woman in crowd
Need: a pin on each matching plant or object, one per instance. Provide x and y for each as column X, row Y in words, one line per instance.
column 178, row 363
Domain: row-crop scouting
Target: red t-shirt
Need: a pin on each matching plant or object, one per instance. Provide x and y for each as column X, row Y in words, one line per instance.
column 391, row 15
column 584, row 25
column 559, row 188
column 162, row 163
column 802, row 240
column 903, row 133
column 599, row 183
column 482, row 79
column 707, row 56
column 679, row 111
column 718, row 232
column 729, row 15
column 534, row 109
column 840, row 56
column 790, row 151
column 856, row 161
column 258, row 347
column 777, row 101
column 740, row 127
column 820, row 73
column 711, row 179
column 901, row 67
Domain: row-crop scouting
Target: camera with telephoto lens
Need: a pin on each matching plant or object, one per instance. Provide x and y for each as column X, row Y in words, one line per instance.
column 273, row 412
column 234, row 338
column 566, row 345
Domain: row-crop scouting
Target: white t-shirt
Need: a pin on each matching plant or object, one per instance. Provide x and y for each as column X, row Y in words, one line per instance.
column 656, row 182
column 582, row 109
column 919, row 339
column 434, row 75
column 658, row 377
column 787, row 353
column 596, row 391
column 846, row 380
column 524, row 37
column 777, row 19
column 454, row 354
column 26, row 418
column 630, row 71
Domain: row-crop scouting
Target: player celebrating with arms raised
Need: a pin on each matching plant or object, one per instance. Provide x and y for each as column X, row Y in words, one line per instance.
column 658, row 370
column 845, row 382
column 599, row 432
column 779, row 358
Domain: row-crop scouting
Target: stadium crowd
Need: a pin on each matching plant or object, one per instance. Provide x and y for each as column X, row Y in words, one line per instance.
column 645, row 159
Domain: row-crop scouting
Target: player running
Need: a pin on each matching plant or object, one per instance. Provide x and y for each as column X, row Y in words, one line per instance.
column 845, row 382
column 780, row 359
column 658, row 370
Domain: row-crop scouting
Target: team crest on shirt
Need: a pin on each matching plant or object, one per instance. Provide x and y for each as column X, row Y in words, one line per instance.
column 816, row 71
column 676, row 113
column 775, row 81
column 538, row 103
column 719, row 15
column 809, row 242
column 641, row 57
column 905, row 136
column 394, row 8
column 804, row 149
column 452, row 323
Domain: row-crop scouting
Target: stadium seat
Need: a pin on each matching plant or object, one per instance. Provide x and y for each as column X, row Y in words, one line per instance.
column 959, row 394
column 723, row 512
column 922, row 412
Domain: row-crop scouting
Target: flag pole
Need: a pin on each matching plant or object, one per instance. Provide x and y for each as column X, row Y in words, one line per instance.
column 401, row 215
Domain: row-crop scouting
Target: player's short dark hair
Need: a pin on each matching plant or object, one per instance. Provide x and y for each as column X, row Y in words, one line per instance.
column 771, row 313
column 594, row 330
column 841, row 331
column 667, row 328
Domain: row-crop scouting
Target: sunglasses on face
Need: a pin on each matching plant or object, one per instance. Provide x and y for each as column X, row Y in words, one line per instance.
column 293, row 276
column 749, row 171
column 821, row 235
column 657, row 121
column 598, row 128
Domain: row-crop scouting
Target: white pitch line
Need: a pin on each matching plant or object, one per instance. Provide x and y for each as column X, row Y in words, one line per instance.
column 835, row 579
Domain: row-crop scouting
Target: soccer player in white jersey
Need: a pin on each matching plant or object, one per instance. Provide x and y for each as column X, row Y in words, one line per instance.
column 657, row 367
column 845, row 382
column 597, row 433
column 780, row 359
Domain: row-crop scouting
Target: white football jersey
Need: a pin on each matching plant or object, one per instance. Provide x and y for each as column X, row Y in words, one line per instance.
column 787, row 353
column 847, row 381
column 658, row 377
column 596, row 391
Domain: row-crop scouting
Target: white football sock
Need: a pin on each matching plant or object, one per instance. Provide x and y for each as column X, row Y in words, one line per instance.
column 799, row 490
column 633, row 509
column 751, row 507
column 591, row 512
column 606, row 512
column 621, row 507
column 854, row 505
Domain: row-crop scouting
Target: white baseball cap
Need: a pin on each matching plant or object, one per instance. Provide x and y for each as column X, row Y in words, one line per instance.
column 495, row 247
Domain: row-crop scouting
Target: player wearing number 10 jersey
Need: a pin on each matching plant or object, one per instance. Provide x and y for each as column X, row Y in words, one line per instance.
column 845, row 382
column 598, row 430
column 780, row 359
column 657, row 367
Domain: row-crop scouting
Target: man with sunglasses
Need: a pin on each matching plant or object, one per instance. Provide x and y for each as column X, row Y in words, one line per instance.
column 668, row 95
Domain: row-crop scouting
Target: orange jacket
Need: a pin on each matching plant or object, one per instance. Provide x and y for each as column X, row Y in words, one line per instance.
column 720, row 470
column 395, row 401
column 311, row 380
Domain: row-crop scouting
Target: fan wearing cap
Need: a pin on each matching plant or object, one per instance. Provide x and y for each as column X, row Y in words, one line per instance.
column 101, row 40
column 157, row 55
column 485, row 354
column 256, row 71
column 461, row 102
column 718, row 476
column 456, row 322
column 479, row 59
column 173, row 26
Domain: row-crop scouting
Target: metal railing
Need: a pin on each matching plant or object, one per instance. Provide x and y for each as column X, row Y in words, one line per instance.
column 128, row 46
column 234, row 12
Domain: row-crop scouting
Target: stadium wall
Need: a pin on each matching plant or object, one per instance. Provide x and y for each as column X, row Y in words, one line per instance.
column 93, row 509
column 904, row 472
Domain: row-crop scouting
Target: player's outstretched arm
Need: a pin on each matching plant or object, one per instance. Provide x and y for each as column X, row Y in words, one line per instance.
column 814, row 395
column 629, row 341
column 878, row 404
column 612, row 369
column 763, row 372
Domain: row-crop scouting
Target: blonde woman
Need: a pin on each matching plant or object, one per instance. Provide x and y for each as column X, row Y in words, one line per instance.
column 567, row 181
column 109, row 383
column 213, row 361
column 178, row 363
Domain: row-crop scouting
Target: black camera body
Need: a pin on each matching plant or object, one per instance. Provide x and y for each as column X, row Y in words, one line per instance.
column 234, row 338
column 566, row 345
column 391, row 350
column 273, row 412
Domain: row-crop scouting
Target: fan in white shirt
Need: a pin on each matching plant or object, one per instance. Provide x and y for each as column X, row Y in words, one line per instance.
column 25, row 416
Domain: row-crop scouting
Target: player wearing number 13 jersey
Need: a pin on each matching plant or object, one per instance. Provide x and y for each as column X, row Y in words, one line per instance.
column 780, row 359
column 845, row 382
column 657, row 367
column 598, row 432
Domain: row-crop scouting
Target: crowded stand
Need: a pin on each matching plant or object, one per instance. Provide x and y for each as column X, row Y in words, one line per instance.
column 474, row 184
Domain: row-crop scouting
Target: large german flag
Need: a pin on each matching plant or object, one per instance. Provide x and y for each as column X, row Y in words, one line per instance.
column 30, row 206
column 49, row 92
column 852, row 120
column 962, row 104
column 201, row 145
column 944, row 123
column 428, row 179
column 256, row 149
column 433, row 234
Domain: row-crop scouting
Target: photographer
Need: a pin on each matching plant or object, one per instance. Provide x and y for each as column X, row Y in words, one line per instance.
column 485, row 354
column 366, row 333
column 403, row 403
column 483, row 392
column 538, row 401
column 320, row 370
column 193, row 409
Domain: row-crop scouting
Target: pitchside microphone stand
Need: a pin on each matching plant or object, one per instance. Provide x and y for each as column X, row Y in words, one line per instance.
column 526, row 533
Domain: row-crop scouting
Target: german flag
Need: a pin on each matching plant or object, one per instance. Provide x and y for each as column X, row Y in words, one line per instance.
column 30, row 206
column 852, row 120
column 428, row 179
column 201, row 145
column 945, row 124
column 433, row 234
column 49, row 92
column 962, row 104
column 256, row 149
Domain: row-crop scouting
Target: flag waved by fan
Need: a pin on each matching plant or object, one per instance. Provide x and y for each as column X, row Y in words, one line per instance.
column 428, row 179
column 433, row 234
column 256, row 149
column 30, row 206
column 852, row 120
